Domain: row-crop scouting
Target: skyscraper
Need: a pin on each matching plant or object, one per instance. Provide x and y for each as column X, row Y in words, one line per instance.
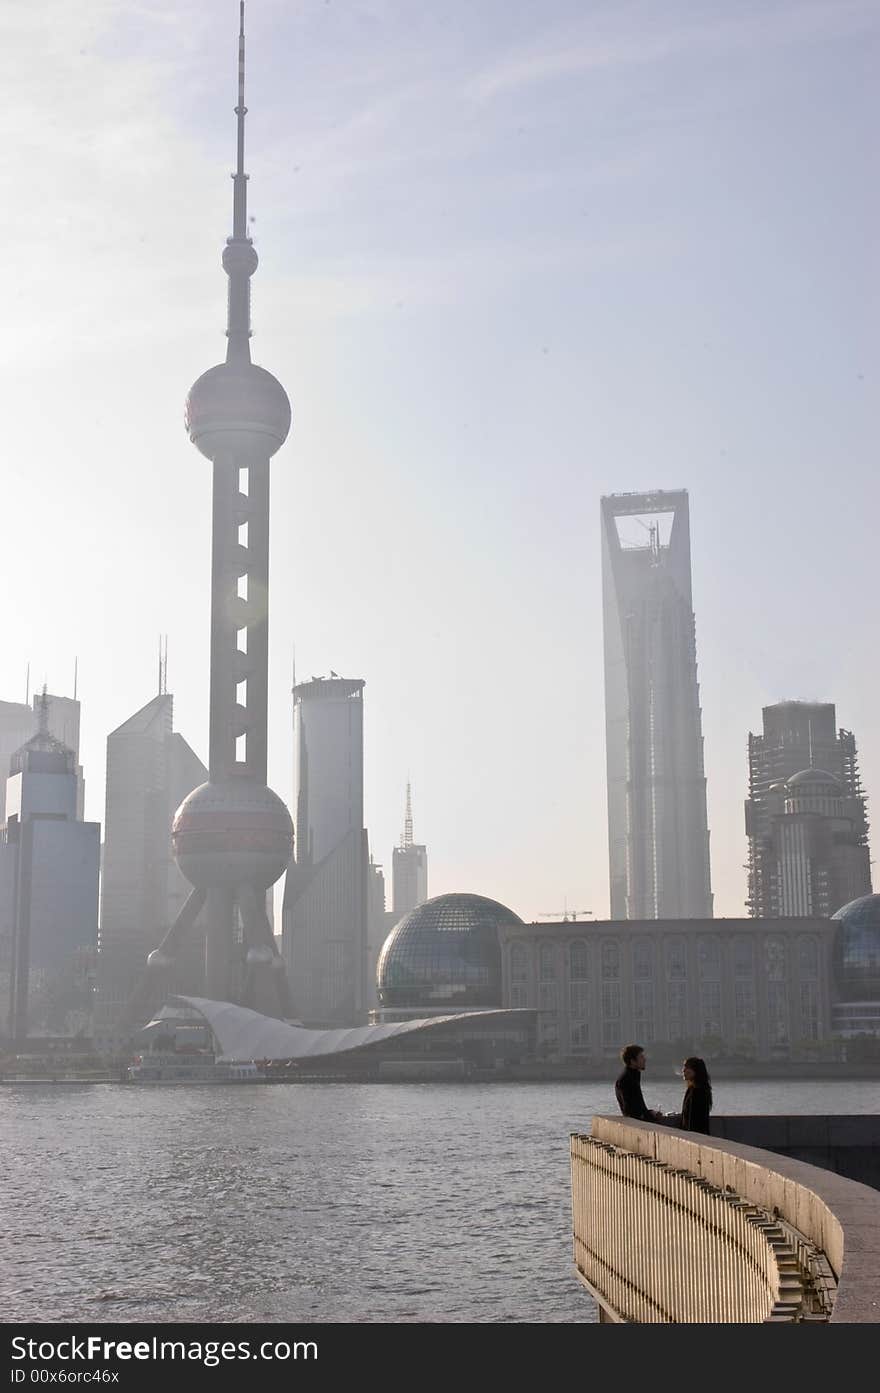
column 409, row 867
column 657, row 827
column 232, row 836
column 48, row 883
column 806, row 817
column 17, row 725
column 150, row 770
column 18, row 722
column 380, row 921
column 324, row 916
column 63, row 715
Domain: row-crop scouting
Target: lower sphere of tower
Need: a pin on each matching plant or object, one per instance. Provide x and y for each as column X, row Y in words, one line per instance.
column 230, row 833
column 238, row 409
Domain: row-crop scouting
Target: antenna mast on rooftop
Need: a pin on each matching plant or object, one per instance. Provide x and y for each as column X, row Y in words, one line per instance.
column 407, row 839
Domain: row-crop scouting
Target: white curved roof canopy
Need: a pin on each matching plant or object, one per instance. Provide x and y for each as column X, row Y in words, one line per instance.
column 244, row 1034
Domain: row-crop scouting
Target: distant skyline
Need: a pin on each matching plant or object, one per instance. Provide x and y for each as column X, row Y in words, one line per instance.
column 512, row 258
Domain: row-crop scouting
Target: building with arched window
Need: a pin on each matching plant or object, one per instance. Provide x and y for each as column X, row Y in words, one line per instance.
column 722, row 987
column 744, row 989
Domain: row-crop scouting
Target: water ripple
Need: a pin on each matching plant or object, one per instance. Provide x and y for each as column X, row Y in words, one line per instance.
column 304, row 1203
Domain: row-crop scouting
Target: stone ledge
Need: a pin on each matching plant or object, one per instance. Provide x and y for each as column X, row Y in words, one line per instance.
column 839, row 1216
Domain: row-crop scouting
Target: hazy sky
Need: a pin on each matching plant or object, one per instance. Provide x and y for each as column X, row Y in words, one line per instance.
column 513, row 256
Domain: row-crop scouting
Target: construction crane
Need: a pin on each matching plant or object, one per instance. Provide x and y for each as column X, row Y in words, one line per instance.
column 566, row 915
column 653, row 531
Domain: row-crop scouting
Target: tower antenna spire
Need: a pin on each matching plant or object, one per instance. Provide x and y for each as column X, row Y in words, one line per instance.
column 239, row 257
column 408, row 818
column 43, row 711
column 239, row 205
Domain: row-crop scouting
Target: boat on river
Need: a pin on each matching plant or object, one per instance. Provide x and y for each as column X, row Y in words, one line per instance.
column 176, row 1067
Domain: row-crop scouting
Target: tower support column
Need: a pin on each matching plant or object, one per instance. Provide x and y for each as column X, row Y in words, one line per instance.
column 219, row 944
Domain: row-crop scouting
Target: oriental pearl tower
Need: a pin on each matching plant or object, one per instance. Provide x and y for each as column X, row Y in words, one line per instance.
column 233, row 837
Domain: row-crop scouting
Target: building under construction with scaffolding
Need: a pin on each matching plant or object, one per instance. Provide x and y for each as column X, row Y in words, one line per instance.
column 806, row 819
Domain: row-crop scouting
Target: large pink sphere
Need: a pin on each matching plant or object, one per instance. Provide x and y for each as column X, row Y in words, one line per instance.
column 232, row 833
column 237, row 409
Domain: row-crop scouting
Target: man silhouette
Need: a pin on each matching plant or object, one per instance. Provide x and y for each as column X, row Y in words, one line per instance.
column 628, row 1088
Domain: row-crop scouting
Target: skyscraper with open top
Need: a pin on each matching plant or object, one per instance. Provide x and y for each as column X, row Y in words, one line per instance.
column 657, row 826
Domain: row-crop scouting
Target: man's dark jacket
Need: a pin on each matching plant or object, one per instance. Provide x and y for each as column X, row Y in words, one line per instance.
column 628, row 1089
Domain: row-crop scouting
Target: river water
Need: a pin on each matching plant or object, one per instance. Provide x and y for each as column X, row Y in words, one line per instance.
column 322, row 1202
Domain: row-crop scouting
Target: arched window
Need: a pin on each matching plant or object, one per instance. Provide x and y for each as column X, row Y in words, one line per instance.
column 743, row 957
column 774, row 958
column 709, row 958
column 578, row 961
column 547, row 962
column 808, row 956
column 676, row 959
column 643, row 959
column 610, row 960
column 519, row 963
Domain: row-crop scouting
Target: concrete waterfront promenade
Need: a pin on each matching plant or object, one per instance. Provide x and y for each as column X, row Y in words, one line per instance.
column 848, row 1144
column 674, row 1227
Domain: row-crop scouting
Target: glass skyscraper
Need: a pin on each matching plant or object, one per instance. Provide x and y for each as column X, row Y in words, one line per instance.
column 324, row 915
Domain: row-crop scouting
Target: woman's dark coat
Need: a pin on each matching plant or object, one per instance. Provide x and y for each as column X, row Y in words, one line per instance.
column 695, row 1109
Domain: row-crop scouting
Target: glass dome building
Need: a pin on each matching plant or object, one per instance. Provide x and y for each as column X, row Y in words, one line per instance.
column 444, row 955
column 857, row 949
column 857, row 967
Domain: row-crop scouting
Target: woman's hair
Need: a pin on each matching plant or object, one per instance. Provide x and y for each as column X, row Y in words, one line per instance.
column 701, row 1074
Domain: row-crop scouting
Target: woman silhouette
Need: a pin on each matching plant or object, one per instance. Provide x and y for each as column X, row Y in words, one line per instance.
column 697, row 1102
